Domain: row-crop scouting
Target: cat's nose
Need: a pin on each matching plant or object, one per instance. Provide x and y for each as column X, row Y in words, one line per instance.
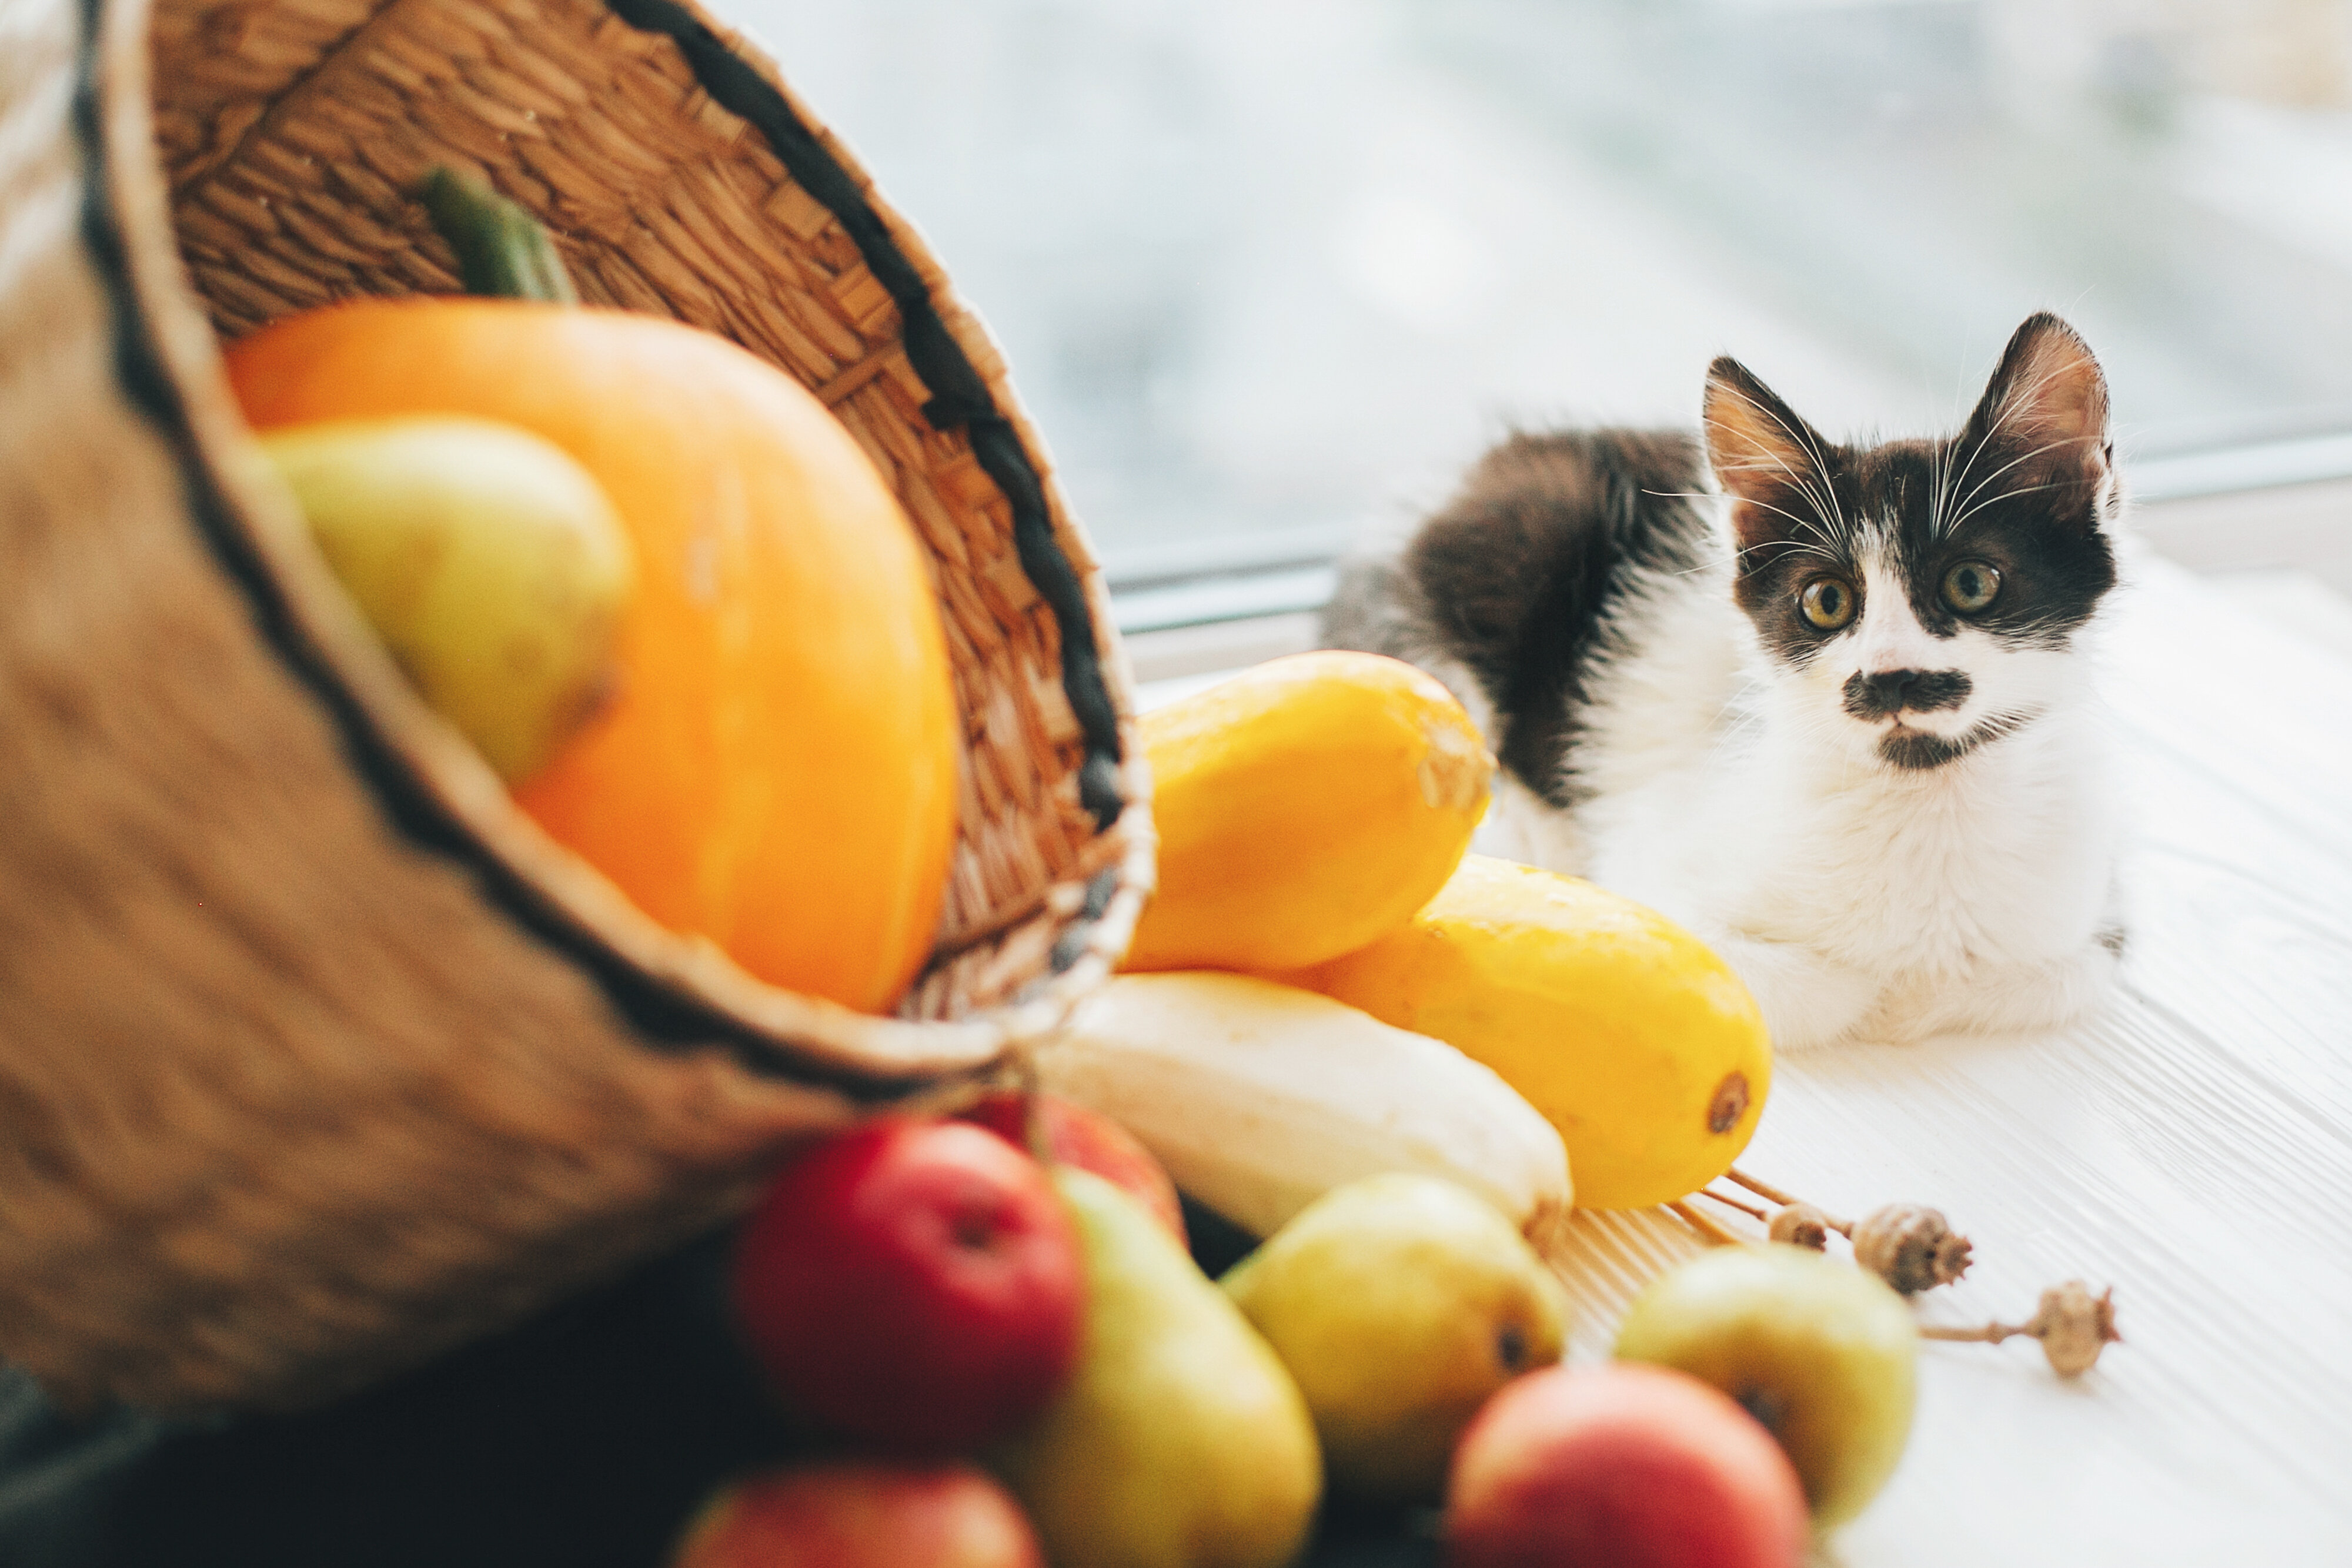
column 1888, row 689
column 1872, row 694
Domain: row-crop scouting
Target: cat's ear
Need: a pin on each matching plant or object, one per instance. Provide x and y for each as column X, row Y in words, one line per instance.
column 1769, row 461
column 2041, row 425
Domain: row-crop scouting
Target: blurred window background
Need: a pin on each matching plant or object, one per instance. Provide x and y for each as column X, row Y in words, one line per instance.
column 1269, row 272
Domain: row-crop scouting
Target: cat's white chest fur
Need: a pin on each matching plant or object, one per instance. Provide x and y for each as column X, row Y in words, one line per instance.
column 1856, row 900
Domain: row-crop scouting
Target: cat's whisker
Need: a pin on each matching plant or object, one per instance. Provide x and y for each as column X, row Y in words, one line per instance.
column 2011, row 402
column 1800, row 546
column 1801, row 522
column 2025, row 457
column 1796, row 480
column 1803, row 433
column 1704, row 566
column 1800, row 481
column 1804, row 438
column 1749, row 713
column 1939, row 467
column 1996, row 500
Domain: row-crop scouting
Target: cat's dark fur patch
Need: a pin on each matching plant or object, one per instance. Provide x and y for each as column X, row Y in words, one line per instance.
column 1921, row 691
column 1916, row 750
column 1514, row 578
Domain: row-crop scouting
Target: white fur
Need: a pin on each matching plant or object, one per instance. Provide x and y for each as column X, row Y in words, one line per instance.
column 1856, row 899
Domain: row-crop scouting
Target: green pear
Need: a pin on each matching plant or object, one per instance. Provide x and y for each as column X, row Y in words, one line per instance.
column 1400, row 1304
column 1819, row 1351
column 490, row 563
column 1180, row 1441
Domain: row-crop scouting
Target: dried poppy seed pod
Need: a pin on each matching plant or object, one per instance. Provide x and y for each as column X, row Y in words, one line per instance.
column 1802, row 1225
column 1911, row 1248
column 2074, row 1327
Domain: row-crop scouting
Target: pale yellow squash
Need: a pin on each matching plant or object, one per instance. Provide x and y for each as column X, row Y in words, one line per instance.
column 1627, row 1033
column 1306, row 807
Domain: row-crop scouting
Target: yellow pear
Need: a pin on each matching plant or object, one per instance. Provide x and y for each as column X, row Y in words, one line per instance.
column 1398, row 1303
column 489, row 562
column 1180, row 1441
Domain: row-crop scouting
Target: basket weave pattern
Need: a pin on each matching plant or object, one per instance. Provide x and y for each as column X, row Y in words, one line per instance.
column 291, row 134
column 315, row 1057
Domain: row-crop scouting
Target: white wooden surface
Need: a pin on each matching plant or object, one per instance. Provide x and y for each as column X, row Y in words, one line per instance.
column 2192, row 1148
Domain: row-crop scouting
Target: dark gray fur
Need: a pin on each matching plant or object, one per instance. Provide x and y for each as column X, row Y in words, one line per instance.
column 1517, row 579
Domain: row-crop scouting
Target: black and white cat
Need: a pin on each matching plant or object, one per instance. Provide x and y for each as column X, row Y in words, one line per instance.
column 1826, row 706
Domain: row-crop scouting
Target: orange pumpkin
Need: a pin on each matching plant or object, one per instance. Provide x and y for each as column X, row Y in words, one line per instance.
column 777, row 769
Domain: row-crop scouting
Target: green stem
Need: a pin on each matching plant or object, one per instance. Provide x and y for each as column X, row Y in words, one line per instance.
column 502, row 251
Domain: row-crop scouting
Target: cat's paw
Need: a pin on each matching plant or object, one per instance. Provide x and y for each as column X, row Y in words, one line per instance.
column 2014, row 998
column 1808, row 998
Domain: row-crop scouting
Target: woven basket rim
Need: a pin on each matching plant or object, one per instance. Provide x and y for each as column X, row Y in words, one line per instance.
column 678, row 992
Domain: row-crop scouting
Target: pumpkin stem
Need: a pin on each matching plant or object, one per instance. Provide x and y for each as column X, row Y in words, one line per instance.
column 502, row 251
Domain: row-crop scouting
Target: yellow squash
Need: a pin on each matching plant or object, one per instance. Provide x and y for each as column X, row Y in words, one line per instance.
column 1306, row 808
column 1638, row 1043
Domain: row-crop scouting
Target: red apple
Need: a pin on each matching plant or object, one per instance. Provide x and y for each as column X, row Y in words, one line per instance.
column 1620, row 1467
column 917, row 1284
column 1076, row 1135
column 862, row 1515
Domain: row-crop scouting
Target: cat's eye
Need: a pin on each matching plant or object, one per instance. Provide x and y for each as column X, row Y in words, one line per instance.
column 1827, row 602
column 1970, row 586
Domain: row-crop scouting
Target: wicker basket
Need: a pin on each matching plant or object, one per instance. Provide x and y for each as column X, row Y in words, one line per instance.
column 316, row 1057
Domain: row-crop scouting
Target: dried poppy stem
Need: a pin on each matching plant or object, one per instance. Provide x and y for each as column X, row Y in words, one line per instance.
column 1715, row 1235
column 1761, row 1189
column 1749, row 1209
column 1807, row 1215
column 1990, row 1334
column 1797, row 1222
